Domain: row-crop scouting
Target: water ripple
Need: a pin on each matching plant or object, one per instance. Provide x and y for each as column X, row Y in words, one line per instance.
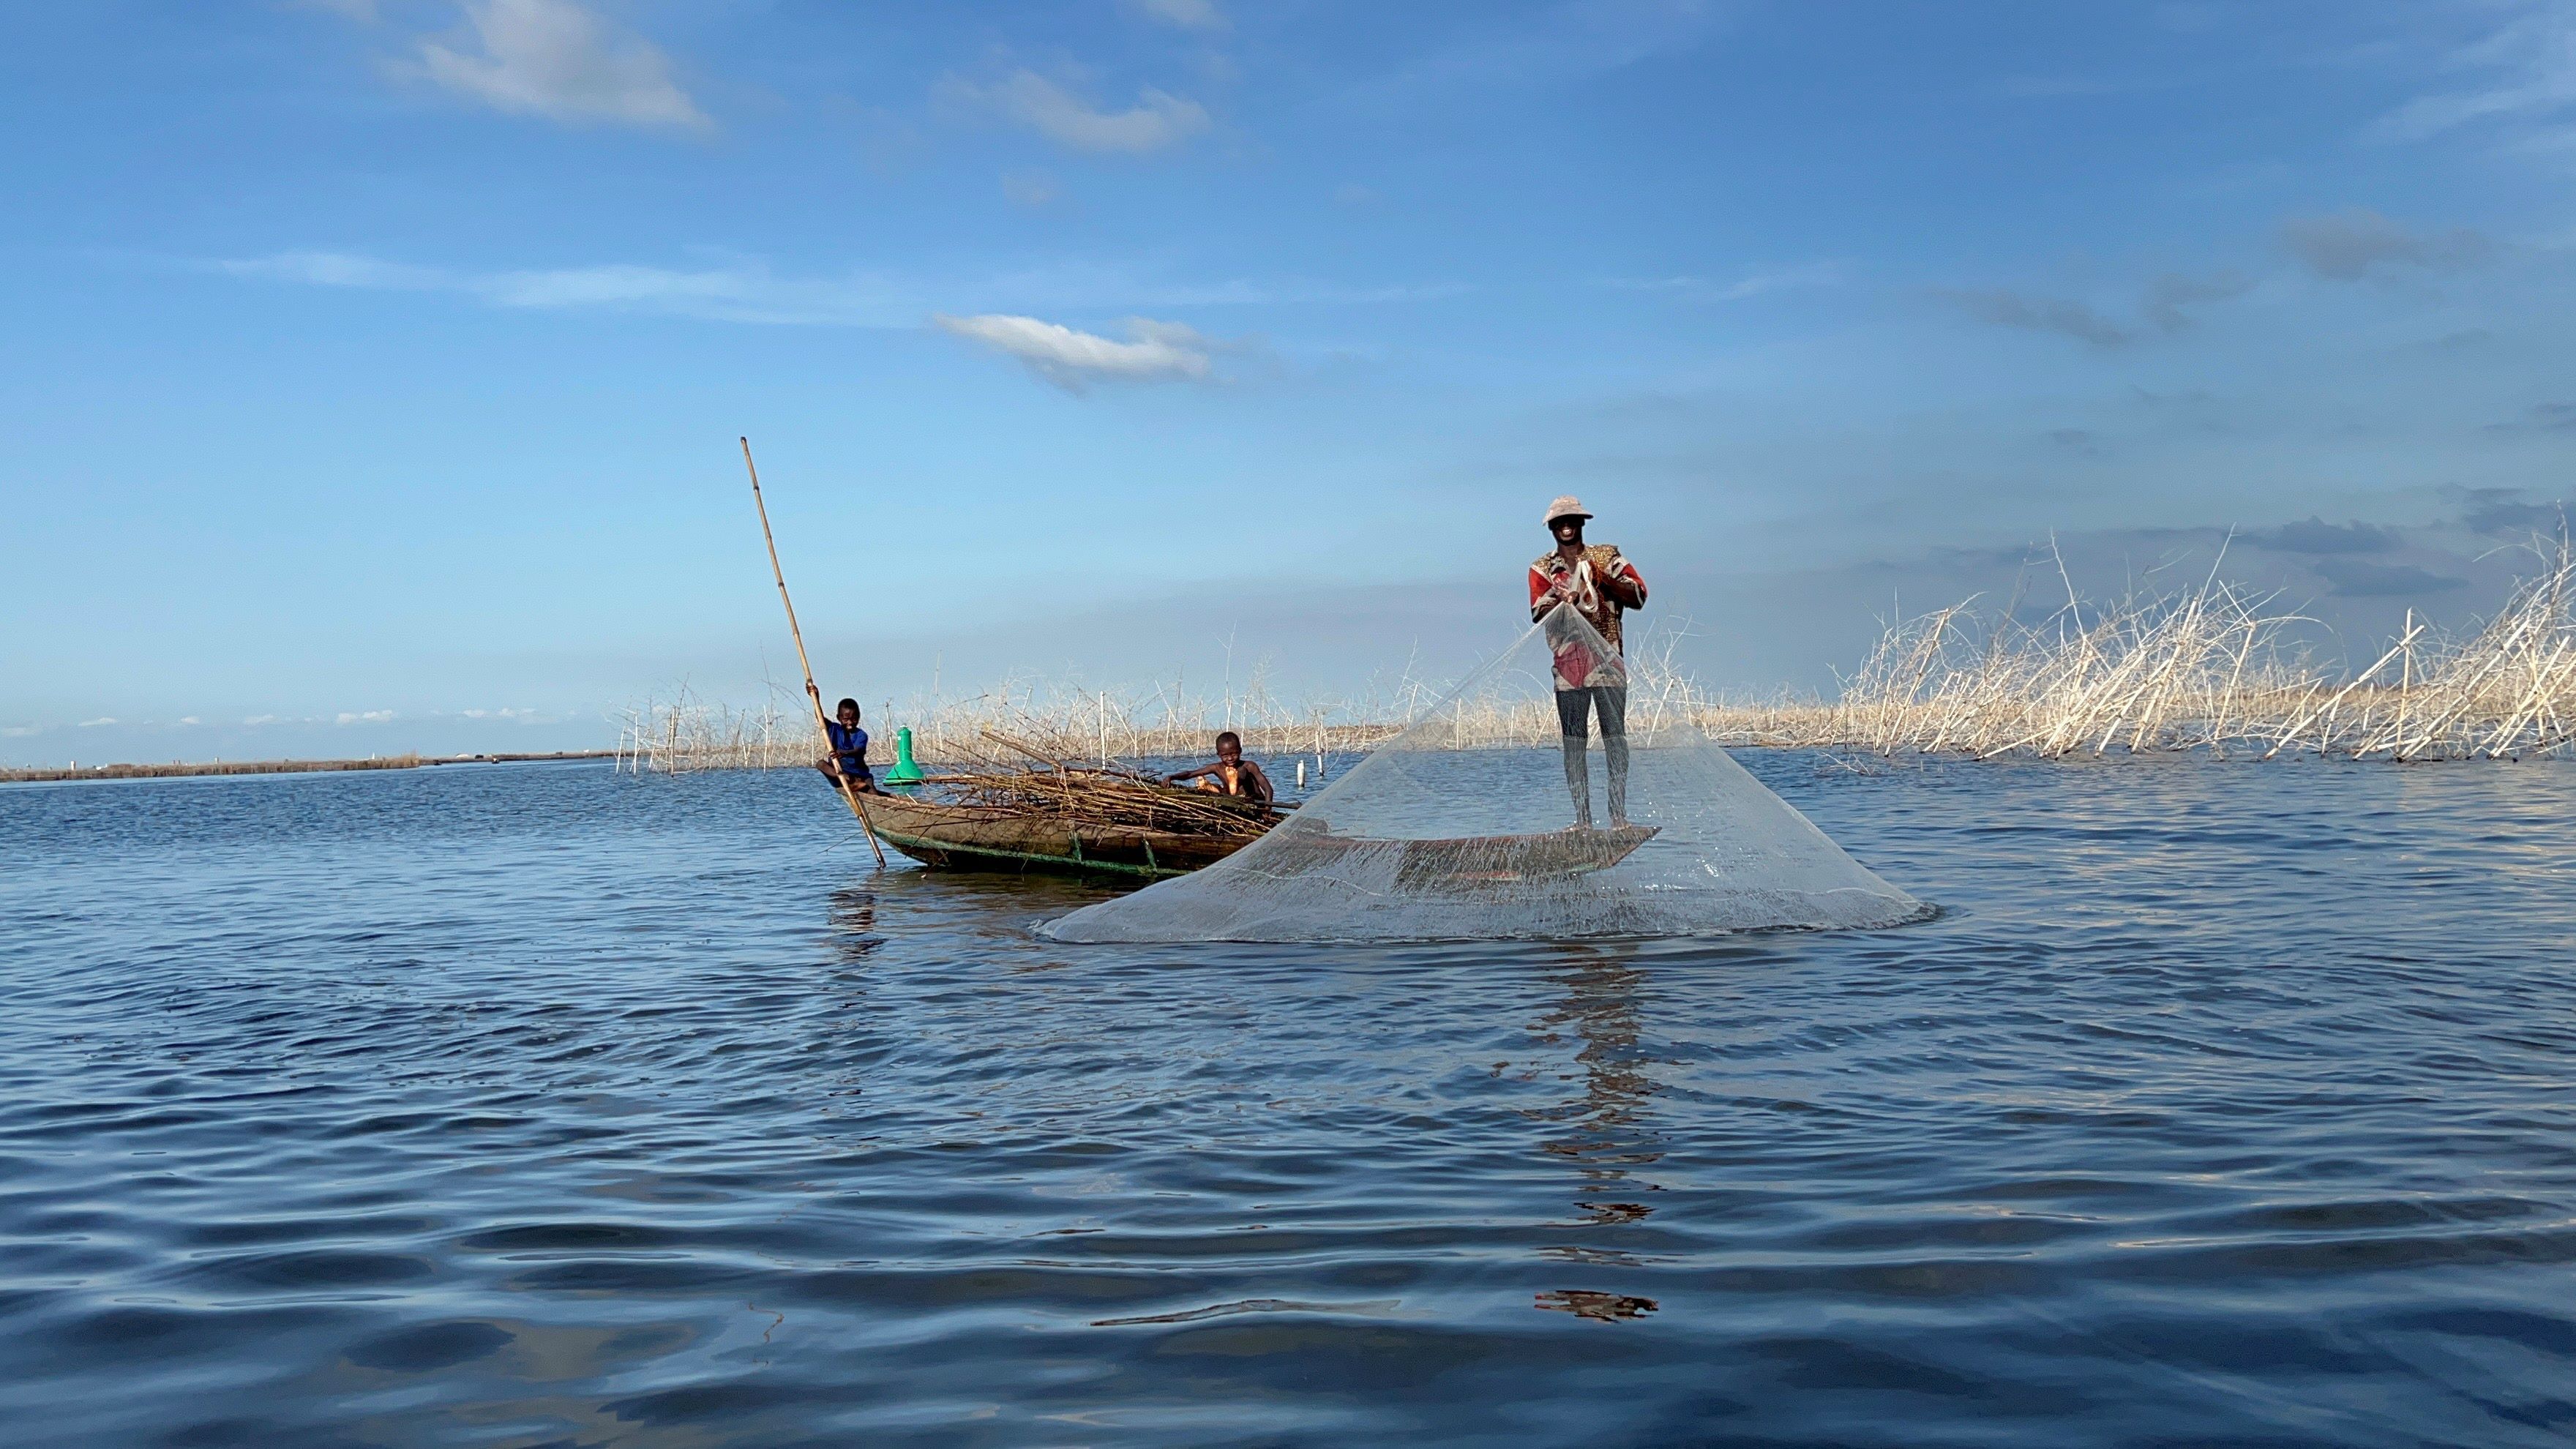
column 2223, row 1103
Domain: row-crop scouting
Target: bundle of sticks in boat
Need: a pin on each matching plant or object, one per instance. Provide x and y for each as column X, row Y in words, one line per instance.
column 1100, row 795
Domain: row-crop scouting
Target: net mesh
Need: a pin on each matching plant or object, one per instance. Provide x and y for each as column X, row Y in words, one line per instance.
column 1544, row 797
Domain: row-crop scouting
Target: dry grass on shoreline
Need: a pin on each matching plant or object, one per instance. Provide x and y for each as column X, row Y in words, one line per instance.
column 2213, row 670
column 176, row 769
column 2210, row 670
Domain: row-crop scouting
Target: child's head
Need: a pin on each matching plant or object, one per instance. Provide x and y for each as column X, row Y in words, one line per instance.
column 849, row 712
column 1229, row 747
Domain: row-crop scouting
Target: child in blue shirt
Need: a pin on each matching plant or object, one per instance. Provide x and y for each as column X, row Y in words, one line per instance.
column 849, row 757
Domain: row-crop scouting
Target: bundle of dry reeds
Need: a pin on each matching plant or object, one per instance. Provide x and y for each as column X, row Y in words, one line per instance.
column 1089, row 795
column 1097, row 795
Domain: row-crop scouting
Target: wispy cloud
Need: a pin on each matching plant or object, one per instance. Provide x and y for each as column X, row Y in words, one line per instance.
column 1158, row 120
column 1073, row 360
column 1570, row 41
column 741, row 293
column 2163, row 305
column 2040, row 314
column 2355, row 578
column 2506, row 511
column 557, row 59
column 1032, row 189
column 2554, row 417
column 1706, row 290
column 2167, row 296
column 749, row 291
column 2315, row 537
column 2349, row 245
column 1201, row 15
column 2526, row 79
column 371, row 716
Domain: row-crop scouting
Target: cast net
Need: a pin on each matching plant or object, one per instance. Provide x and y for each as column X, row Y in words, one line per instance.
column 1542, row 798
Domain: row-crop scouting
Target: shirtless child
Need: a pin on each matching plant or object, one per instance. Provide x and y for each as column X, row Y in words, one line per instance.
column 1232, row 774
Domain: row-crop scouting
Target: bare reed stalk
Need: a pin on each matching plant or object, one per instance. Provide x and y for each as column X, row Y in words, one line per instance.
column 2209, row 669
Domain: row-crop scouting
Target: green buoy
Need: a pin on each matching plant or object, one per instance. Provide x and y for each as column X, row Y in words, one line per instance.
column 905, row 771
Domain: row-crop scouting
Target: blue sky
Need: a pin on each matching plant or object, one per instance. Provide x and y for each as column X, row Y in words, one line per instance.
column 374, row 369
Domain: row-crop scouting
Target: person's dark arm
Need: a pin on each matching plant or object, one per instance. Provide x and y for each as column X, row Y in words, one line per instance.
column 1544, row 593
column 1626, row 585
column 1261, row 782
column 1202, row 770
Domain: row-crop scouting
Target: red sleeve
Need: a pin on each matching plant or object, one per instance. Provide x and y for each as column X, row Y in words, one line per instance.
column 1539, row 584
column 1636, row 578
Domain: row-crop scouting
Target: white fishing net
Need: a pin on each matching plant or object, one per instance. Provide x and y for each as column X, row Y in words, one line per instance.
column 1487, row 818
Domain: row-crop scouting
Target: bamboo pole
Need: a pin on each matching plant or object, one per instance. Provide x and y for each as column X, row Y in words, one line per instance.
column 848, row 791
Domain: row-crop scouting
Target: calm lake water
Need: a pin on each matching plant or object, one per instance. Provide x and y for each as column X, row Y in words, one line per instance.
column 538, row 1105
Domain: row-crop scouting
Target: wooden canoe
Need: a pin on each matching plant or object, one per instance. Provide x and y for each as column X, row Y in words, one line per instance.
column 967, row 837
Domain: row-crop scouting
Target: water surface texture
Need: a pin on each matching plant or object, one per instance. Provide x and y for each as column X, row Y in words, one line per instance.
column 538, row 1105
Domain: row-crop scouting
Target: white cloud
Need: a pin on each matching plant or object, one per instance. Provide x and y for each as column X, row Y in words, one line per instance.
column 555, row 58
column 190, row 719
column 261, row 719
column 338, row 269
column 105, row 719
column 2530, row 77
column 1157, row 120
column 1072, row 360
column 741, row 293
column 373, row 716
column 1187, row 14
column 19, row 732
column 749, row 292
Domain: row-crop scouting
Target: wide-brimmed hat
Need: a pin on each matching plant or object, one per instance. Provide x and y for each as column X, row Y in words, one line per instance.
column 1566, row 506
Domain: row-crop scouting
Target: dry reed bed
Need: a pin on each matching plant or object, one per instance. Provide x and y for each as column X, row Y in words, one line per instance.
column 176, row 768
column 1003, row 730
column 2211, row 669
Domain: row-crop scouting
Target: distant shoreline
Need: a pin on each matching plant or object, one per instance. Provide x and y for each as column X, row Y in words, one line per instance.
column 281, row 767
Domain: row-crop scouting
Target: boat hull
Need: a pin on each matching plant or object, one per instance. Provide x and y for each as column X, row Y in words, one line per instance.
column 954, row 837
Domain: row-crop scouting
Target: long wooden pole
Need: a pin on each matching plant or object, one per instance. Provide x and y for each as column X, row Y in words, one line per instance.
column 849, row 792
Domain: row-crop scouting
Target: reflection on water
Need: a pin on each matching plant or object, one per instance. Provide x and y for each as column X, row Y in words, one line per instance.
column 1600, row 1307
column 854, row 924
column 1606, row 1133
column 2224, row 1104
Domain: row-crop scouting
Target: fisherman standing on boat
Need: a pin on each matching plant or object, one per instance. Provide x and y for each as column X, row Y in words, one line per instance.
column 1598, row 584
column 848, row 759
